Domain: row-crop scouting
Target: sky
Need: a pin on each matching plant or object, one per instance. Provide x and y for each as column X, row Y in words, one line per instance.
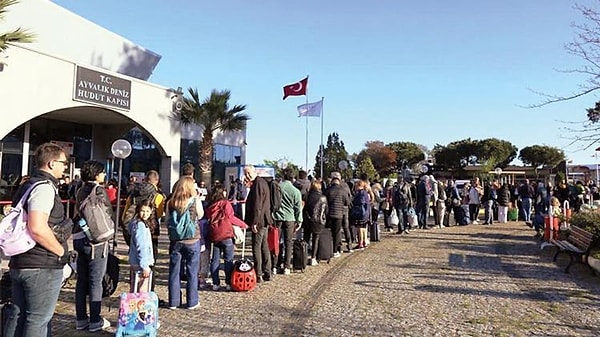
column 428, row 71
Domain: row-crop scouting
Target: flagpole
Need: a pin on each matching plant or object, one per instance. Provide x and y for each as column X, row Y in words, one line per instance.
column 306, row 119
column 321, row 147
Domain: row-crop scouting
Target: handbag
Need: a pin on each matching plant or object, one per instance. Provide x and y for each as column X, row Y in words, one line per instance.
column 393, row 218
column 385, row 205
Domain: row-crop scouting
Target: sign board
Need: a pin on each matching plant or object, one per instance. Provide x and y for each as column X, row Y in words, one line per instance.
column 103, row 89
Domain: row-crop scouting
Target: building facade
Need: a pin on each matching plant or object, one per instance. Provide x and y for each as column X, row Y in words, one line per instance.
column 84, row 87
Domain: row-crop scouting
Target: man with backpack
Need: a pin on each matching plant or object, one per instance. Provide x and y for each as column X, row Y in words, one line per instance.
column 36, row 275
column 338, row 202
column 258, row 218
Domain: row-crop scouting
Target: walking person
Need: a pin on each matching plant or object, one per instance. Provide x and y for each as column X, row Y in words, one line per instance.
column 37, row 274
column 338, row 201
column 92, row 258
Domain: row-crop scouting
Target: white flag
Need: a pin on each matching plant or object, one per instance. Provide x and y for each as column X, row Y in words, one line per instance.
column 310, row 109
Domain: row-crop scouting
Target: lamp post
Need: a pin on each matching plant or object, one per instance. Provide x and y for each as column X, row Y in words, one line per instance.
column 121, row 149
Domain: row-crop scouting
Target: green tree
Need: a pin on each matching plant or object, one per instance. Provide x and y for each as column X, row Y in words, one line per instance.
column 212, row 114
column 541, row 155
column 382, row 157
column 493, row 152
column 333, row 153
column 366, row 166
column 407, row 153
column 18, row 35
column 281, row 164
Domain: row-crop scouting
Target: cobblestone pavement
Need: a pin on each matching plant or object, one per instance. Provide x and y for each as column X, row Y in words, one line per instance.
column 471, row 280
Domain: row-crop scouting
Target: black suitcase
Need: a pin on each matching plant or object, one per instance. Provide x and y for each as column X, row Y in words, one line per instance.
column 460, row 215
column 300, row 255
column 325, row 251
column 374, row 231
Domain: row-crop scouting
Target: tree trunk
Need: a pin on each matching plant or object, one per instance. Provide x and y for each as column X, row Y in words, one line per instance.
column 205, row 158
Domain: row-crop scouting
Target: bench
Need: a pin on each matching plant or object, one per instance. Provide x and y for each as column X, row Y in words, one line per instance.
column 577, row 245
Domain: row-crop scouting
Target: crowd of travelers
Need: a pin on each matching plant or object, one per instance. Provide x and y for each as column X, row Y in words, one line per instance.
column 307, row 209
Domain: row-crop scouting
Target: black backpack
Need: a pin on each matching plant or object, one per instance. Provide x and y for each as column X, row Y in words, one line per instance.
column 275, row 190
column 110, row 281
column 141, row 192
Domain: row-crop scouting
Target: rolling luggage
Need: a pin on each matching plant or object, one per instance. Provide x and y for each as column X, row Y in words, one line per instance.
column 373, row 231
column 138, row 313
column 300, row 255
column 243, row 276
column 513, row 214
column 325, row 251
column 273, row 239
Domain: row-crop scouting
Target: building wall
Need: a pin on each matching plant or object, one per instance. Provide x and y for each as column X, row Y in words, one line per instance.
column 68, row 35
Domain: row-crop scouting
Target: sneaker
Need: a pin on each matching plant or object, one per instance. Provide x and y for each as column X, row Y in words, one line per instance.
column 336, row 254
column 350, row 250
column 172, row 307
column 216, row 287
column 195, row 306
column 286, row 271
column 314, row 262
column 82, row 324
column 406, row 231
column 274, row 271
column 99, row 326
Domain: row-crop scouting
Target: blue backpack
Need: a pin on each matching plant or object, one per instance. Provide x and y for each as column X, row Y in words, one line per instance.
column 359, row 211
column 182, row 226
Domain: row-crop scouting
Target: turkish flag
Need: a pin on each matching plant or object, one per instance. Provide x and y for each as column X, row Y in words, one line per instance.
column 295, row 89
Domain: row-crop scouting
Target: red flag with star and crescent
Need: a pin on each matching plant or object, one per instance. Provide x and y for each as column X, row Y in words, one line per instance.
column 295, row 89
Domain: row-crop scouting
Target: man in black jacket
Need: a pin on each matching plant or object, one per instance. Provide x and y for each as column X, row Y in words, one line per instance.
column 337, row 201
column 37, row 274
column 258, row 217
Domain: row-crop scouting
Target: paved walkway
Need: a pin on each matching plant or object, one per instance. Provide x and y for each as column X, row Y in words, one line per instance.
column 460, row 281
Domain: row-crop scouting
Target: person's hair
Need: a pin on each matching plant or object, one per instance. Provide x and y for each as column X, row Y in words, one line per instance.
column 302, row 174
column 315, row 185
column 188, row 169
column 46, row 153
column 91, row 169
column 217, row 193
column 364, row 176
column 152, row 177
column 138, row 208
column 288, row 174
column 183, row 190
column 361, row 184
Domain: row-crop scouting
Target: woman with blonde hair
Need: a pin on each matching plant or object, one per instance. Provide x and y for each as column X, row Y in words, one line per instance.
column 184, row 210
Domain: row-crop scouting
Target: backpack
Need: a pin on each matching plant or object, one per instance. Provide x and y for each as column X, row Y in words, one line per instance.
column 15, row 237
column 182, row 226
column 141, row 192
column 98, row 225
column 110, row 280
column 400, row 196
column 275, row 190
column 217, row 223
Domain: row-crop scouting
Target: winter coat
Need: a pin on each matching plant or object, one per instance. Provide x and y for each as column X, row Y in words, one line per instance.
column 315, row 211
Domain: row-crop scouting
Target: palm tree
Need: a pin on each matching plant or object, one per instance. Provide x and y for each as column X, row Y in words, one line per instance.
column 18, row 35
column 213, row 114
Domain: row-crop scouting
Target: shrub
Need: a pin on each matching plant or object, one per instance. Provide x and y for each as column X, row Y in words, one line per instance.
column 588, row 220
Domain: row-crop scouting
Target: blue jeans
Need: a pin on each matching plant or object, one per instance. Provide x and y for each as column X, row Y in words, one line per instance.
column 402, row 213
column 90, row 271
column 226, row 247
column 190, row 254
column 34, row 294
column 526, row 209
column 423, row 212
